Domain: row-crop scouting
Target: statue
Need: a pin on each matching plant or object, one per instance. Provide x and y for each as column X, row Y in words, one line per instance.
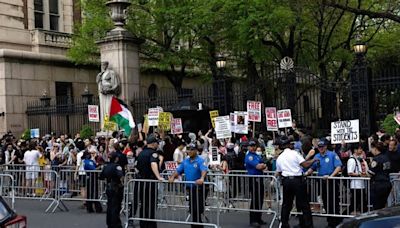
column 108, row 85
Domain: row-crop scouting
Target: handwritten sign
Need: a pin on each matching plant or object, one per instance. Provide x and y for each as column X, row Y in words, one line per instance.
column 347, row 131
column 176, row 126
column 223, row 127
column 93, row 113
column 164, row 121
column 254, row 111
column 153, row 115
column 171, row 165
column 284, row 118
column 271, row 119
column 213, row 114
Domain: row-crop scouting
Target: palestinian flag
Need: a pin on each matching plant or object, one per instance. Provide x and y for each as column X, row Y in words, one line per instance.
column 120, row 114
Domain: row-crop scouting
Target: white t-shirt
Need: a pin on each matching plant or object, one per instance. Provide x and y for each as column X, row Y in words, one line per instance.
column 289, row 162
column 31, row 157
column 79, row 163
column 178, row 155
column 354, row 166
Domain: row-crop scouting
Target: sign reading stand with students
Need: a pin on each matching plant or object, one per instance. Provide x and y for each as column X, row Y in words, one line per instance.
column 345, row 130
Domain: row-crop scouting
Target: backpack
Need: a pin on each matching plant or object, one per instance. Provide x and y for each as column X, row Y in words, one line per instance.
column 344, row 168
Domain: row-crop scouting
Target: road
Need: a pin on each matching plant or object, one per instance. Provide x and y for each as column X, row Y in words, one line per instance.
column 75, row 217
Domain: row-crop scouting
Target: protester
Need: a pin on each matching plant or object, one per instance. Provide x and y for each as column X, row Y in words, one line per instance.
column 31, row 159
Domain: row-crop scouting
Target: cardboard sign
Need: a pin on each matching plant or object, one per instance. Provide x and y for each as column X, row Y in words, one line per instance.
column 284, row 118
column 271, row 119
column 35, row 133
column 213, row 114
column 215, row 158
column 223, row 127
column 171, row 165
column 153, row 116
column 254, row 111
column 241, row 123
column 397, row 118
column 346, row 130
column 164, row 121
column 176, row 126
column 93, row 113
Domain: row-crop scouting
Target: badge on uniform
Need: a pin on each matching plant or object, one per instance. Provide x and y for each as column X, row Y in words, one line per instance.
column 373, row 164
column 119, row 168
column 155, row 155
column 326, row 160
column 195, row 165
column 337, row 158
column 250, row 158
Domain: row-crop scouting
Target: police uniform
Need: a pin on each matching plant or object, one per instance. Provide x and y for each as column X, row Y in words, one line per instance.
column 92, row 186
column 380, row 181
column 193, row 169
column 113, row 173
column 294, row 184
column 326, row 165
column 147, row 190
column 256, row 186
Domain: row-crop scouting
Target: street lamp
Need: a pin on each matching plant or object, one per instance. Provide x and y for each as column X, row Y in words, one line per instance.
column 360, row 47
column 220, row 61
column 221, row 86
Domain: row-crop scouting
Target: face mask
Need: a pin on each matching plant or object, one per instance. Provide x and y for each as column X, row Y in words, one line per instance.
column 259, row 153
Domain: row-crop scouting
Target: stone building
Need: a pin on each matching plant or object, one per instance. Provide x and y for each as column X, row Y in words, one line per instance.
column 34, row 38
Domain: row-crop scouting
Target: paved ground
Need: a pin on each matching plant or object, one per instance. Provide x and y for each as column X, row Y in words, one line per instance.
column 76, row 217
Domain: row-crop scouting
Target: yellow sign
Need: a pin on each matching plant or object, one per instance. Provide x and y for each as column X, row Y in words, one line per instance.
column 146, row 124
column 164, row 121
column 109, row 125
column 213, row 114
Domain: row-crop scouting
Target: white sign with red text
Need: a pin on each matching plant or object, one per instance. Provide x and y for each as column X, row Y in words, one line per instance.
column 171, row 165
column 254, row 111
column 284, row 118
column 271, row 119
column 153, row 116
column 93, row 113
column 176, row 126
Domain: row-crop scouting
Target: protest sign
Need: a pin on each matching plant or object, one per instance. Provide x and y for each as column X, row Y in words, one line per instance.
column 397, row 118
column 153, row 116
column 93, row 113
column 271, row 119
column 284, row 118
column 213, row 114
column 241, row 123
column 346, row 130
column 214, row 157
column 232, row 120
column 35, row 133
column 164, row 121
column 109, row 125
column 223, row 127
column 146, row 124
column 176, row 126
column 254, row 111
column 171, row 165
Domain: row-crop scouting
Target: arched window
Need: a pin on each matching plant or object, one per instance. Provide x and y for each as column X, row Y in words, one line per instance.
column 152, row 92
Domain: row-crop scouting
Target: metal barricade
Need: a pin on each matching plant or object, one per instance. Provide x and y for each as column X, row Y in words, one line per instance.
column 394, row 196
column 187, row 203
column 338, row 196
column 88, row 187
column 247, row 193
column 7, row 190
column 32, row 183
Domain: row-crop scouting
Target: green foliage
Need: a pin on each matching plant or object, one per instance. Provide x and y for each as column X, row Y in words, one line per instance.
column 389, row 124
column 86, row 132
column 26, row 135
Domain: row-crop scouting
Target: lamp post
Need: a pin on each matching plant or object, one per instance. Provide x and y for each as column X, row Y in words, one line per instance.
column 221, row 86
column 45, row 100
column 87, row 96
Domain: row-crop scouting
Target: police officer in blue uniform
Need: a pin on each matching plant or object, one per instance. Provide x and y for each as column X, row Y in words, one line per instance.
column 92, row 184
column 255, row 166
column 327, row 164
column 113, row 173
column 195, row 170
column 148, row 167
column 379, row 171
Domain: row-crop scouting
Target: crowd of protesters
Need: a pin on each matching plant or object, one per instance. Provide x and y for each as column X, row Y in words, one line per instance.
column 375, row 156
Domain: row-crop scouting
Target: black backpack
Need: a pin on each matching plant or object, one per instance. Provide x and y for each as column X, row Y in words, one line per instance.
column 344, row 167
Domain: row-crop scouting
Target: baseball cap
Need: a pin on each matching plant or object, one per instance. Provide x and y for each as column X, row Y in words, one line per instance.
column 191, row 146
column 252, row 143
column 284, row 140
column 322, row 142
column 152, row 139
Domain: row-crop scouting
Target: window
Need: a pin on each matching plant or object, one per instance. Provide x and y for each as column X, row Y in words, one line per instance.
column 53, row 14
column 38, row 8
column 64, row 92
column 152, row 92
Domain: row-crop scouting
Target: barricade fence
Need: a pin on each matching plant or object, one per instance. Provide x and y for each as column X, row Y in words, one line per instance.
column 7, row 190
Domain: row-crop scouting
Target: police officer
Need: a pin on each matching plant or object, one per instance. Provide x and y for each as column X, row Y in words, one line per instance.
column 289, row 165
column 148, row 167
column 379, row 171
column 112, row 172
column 328, row 164
column 195, row 170
column 255, row 166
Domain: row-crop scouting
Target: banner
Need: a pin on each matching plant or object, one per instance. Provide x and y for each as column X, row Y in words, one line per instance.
column 223, row 127
column 214, row 157
column 153, row 116
column 271, row 119
column 254, row 111
column 164, row 121
column 284, row 118
column 241, row 123
column 35, row 133
column 213, row 114
column 171, row 165
column 93, row 113
column 176, row 126
column 346, row 130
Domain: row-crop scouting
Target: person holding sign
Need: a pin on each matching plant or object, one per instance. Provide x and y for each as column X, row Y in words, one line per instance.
column 255, row 166
column 194, row 169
